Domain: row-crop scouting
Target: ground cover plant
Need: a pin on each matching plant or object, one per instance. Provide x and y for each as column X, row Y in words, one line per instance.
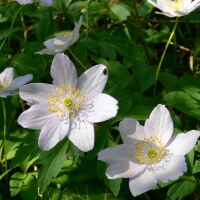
column 100, row 99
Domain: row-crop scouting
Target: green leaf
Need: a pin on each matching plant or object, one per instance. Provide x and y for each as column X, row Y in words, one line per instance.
column 196, row 168
column 52, row 162
column 120, row 11
column 181, row 189
column 28, row 153
column 87, row 191
column 197, row 147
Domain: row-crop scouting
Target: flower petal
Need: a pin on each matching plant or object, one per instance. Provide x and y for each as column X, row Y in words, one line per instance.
column 104, row 107
column 24, row 2
column 21, row 80
column 175, row 167
column 159, row 124
column 131, row 129
column 93, row 80
column 36, row 92
column 74, row 36
column 7, row 75
column 35, row 117
column 63, row 70
column 183, row 143
column 82, row 135
column 142, row 183
column 121, row 161
column 124, row 170
column 52, row 132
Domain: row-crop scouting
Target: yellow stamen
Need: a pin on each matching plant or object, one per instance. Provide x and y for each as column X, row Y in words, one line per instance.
column 150, row 150
column 175, row 5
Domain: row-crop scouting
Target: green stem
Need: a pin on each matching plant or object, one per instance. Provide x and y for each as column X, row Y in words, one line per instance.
column 80, row 63
column 4, row 131
column 3, row 42
column 163, row 54
column 12, row 24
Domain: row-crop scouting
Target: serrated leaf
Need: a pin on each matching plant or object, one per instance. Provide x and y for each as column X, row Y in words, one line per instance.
column 52, row 162
column 87, row 191
column 181, row 189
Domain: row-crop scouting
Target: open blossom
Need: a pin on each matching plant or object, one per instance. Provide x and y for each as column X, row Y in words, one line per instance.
column 69, row 106
column 175, row 8
column 24, row 2
column 150, row 153
column 63, row 41
column 8, row 86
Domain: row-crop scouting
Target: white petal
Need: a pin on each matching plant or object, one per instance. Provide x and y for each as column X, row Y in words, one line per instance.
column 104, row 107
column 121, row 161
column 183, row 143
column 7, row 75
column 36, row 92
column 131, row 129
column 122, row 152
column 74, row 36
column 63, row 70
column 47, row 51
column 24, row 2
column 35, row 117
column 53, row 132
column 82, row 135
column 159, row 124
column 193, row 5
column 49, row 44
column 175, row 167
column 124, row 170
column 93, row 80
column 61, row 43
column 142, row 183
column 21, row 80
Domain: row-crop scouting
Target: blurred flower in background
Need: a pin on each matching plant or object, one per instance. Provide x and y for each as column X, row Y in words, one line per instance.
column 63, row 41
column 8, row 86
column 150, row 153
column 24, row 2
column 175, row 8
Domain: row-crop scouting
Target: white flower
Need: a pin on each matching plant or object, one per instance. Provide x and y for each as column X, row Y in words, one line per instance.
column 150, row 153
column 175, row 8
column 24, row 2
column 63, row 41
column 70, row 106
column 8, row 86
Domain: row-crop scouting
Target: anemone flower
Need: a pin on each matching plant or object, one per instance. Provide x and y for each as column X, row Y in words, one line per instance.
column 69, row 106
column 63, row 41
column 8, row 86
column 175, row 8
column 150, row 153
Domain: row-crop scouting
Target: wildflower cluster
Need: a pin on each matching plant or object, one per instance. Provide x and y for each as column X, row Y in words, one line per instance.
column 76, row 120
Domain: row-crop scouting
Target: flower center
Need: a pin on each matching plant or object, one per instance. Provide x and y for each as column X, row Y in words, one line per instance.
column 150, row 150
column 175, row 5
column 66, row 102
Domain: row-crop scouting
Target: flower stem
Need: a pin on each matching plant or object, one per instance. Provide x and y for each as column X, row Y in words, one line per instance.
column 163, row 54
column 4, row 132
column 79, row 62
column 12, row 24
